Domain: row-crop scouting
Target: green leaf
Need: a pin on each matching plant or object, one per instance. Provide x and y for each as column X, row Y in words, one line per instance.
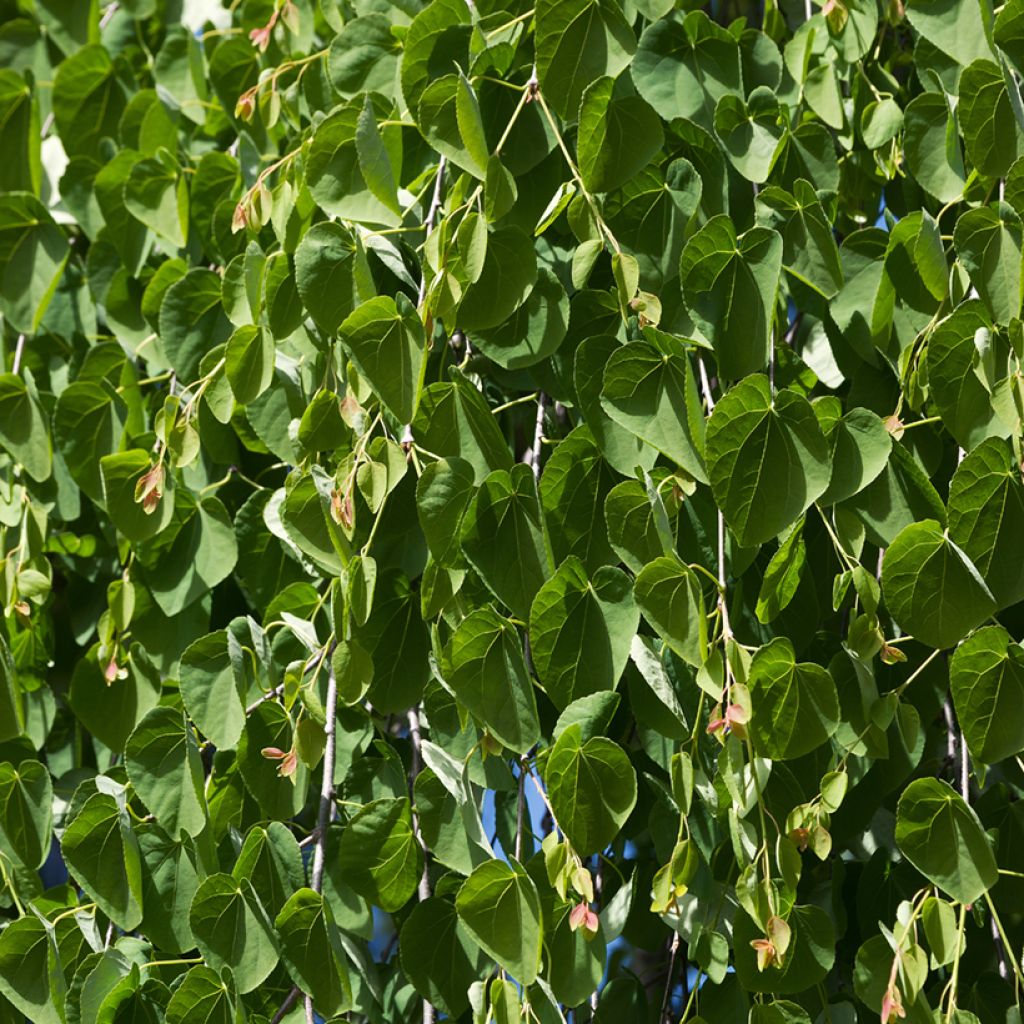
column 330, row 273
column 163, row 765
column 379, row 854
column 729, row 285
column 269, row 725
column 33, row 252
column 750, row 131
column 191, row 555
column 26, row 814
column 192, row 321
column 499, row 906
column 986, row 514
column 649, row 217
column 580, row 630
column 986, row 679
column 122, row 474
column 485, row 669
column 782, row 576
column 232, row 930
column 621, row 447
column 953, row 27
column 988, row 243
column 203, row 997
column 932, row 146
column 23, row 428
column 577, row 42
column 110, row 709
column 503, row 538
column 334, row 174
column 669, row 595
column 619, row 134
column 684, row 67
column 941, row 836
column 209, row 692
column 307, row 948
column 439, row 956
column 30, row 975
column 396, row 639
column 88, row 423
column 811, row 953
column 795, row 707
column 992, row 135
column 767, row 460
column 954, row 352
column 931, row 588
column 860, row 447
column 577, row 962
column 453, row 419
column 170, row 877
column 573, row 488
column 374, row 159
column 364, row 56
column 809, row 250
column 505, row 283
column 102, row 853
column 592, row 787
column 88, row 100
column 443, row 493
column 156, row 195
column 632, row 531
column 385, row 340
column 650, row 391
column 534, row 331
column 19, row 134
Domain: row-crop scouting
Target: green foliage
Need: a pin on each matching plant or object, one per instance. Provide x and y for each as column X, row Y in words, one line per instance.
column 511, row 512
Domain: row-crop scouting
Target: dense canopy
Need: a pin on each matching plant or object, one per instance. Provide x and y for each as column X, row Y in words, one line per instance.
column 511, row 512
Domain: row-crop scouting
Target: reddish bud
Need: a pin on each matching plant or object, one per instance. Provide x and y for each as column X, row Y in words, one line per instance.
column 892, row 1005
column 341, row 509
column 150, row 488
column 260, row 37
column 800, row 837
column 581, row 916
column 766, row 954
column 245, row 108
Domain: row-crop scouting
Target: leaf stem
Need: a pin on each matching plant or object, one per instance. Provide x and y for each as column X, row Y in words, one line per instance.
column 1019, row 978
column 591, row 201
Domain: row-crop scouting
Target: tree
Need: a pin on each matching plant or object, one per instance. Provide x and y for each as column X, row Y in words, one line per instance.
column 511, row 512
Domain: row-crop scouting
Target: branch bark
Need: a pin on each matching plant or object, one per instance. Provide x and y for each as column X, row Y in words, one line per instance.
column 423, row 890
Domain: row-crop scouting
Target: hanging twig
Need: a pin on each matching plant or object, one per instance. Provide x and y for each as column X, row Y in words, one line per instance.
column 958, row 756
column 19, row 351
column 423, row 890
column 324, row 815
column 326, row 811
column 538, row 434
column 665, row 1017
column 289, row 1001
column 428, row 224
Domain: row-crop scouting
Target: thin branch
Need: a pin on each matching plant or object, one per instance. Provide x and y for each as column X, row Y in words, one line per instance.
column 289, row 1001
column 665, row 1017
column 423, row 890
column 269, row 695
column 324, row 815
column 428, row 224
column 520, row 808
column 955, row 743
column 538, row 434
column 327, row 786
column 19, row 351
